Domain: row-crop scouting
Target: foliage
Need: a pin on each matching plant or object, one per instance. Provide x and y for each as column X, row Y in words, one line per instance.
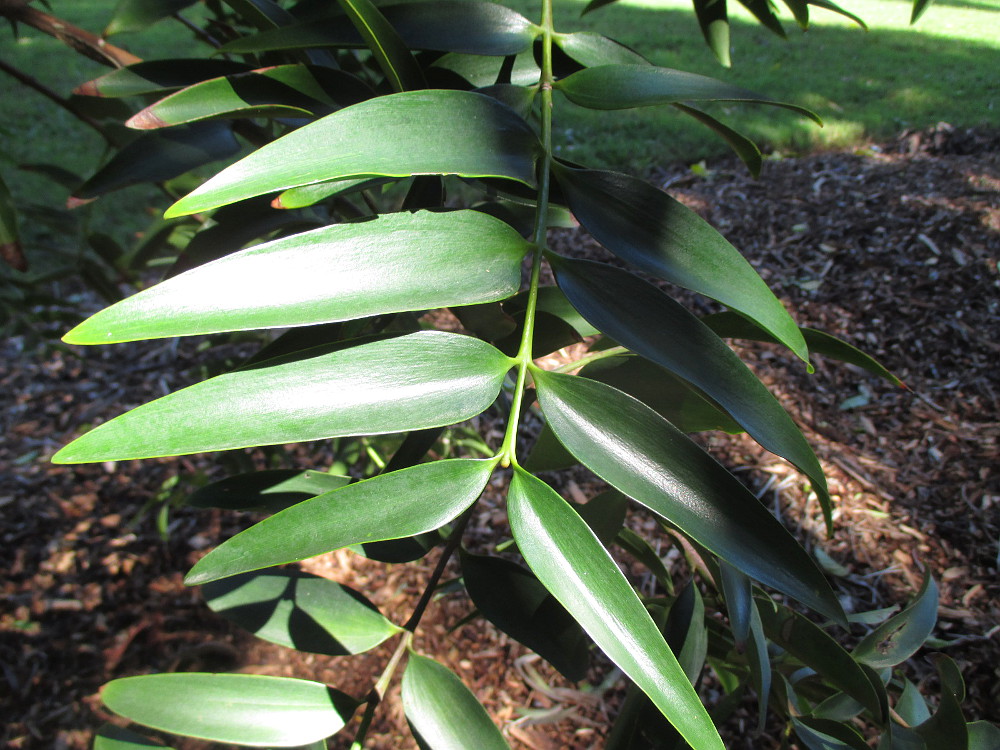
column 401, row 160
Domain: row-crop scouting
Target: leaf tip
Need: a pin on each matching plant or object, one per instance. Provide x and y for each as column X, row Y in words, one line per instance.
column 145, row 119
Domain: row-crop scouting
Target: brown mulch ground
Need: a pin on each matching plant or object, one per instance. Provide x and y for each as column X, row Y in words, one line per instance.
column 894, row 248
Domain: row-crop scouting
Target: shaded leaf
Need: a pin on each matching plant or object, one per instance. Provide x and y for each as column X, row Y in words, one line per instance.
column 714, row 22
column 425, row 379
column 136, row 15
column 946, row 727
column 394, row 263
column 239, row 708
column 300, row 611
column 899, row 637
column 548, row 454
column 643, row 551
column 919, row 6
column 743, row 147
column 110, row 737
column 392, row 136
column 635, row 450
column 268, row 491
column 571, row 562
column 825, row 734
column 390, row 506
column 263, row 14
column 759, row 661
column 739, row 601
column 11, row 251
column 390, row 52
column 686, row 633
column 591, row 49
column 983, row 735
column 605, row 514
column 911, row 706
column 158, row 75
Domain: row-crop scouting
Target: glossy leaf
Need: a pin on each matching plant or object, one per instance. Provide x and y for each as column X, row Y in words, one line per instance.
column 635, row 450
column 443, row 711
column 815, row 648
column 279, row 91
column 158, row 75
column 268, row 491
column 390, row 52
column 591, row 49
column 238, row 708
column 569, row 559
column 686, row 633
column 516, row 602
column 899, row 637
column 392, row 136
column 425, row 379
column 714, row 22
column 664, row 238
column 161, row 156
column 628, row 86
column 300, row 611
column 479, row 28
column 390, row 506
column 110, row 737
column 136, row 15
column 642, row 318
column 394, row 263
column 742, row 146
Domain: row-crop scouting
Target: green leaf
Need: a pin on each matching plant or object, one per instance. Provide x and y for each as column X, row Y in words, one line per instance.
column 238, row 708
column 300, row 611
column 919, row 6
column 479, row 28
column 833, row 7
column 763, row 11
column 390, row 52
column 732, row 325
column 641, row 317
column 548, row 454
column 161, row 156
column 605, row 514
column 759, row 661
column 390, row 506
column 811, row 645
column 983, row 736
column 262, row 14
column 279, row 91
column 899, row 637
column 395, row 263
column 911, row 706
column 739, row 602
column 136, row 15
column 714, row 22
column 628, row 86
column 825, row 734
column 947, row 727
column 158, row 75
column 425, row 379
column 635, row 450
column 643, row 551
column 664, row 238
column 742, row 146
column 415, row 132
column 11, row 251
column 686, row 633
column 572, row 563
column 268, row 491
column 443, row 712
column 591, row 49
column 110, row 737
column 515, row 601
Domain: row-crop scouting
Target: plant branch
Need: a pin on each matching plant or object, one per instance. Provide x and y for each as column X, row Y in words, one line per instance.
column 376, row 694
column 454, row 539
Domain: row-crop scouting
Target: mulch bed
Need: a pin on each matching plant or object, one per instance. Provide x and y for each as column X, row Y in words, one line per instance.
column 893, row 247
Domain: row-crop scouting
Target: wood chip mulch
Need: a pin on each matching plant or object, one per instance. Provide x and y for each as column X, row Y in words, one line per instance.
column 893, row 247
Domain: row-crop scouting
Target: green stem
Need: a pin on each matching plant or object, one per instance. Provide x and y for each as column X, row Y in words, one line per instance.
column 376, row 694
column 508, row 448
column 615, row 351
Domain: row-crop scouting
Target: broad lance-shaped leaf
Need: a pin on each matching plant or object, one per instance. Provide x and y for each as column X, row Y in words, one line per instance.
column 395, row 263
column 573, row 564
column 664, row 238
column 390, row 506
column 591, row 49
column 300, row 611
column 280, row 91
column 414, row 132
column 627, row 86
column 241, row 709
column 642, row 318
column 158, row 75
column 268, row 491
column 443, row 711
column 479, row 28
column 899, row 637
column 424, row 379
column 638, row 452
column 742, row 146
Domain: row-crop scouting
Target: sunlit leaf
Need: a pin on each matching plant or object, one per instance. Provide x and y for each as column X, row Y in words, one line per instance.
column 392, row 136
column 238, row 708
column 269, row 491
column 635, row 450
column 389, row 506
column 899, row 637
column 443, row 711
column 714, row 22
column 425, row 379
column 591, row 49
column 569, row 559
column 394, row 263
column 136, row 15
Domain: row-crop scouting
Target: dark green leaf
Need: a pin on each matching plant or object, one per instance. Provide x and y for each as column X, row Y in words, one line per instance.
column 158, row 75
column 627, row 86
column 551, row 300
column 641, row 317
column 763, row 11
column 548, row 454
column 759, row 661
column 911, row 706
column 635, row 450
column 443, row 711
column 11, row 251
column 899, row 637
column 136, row 15
column 268, row 491
column 391, row 53
column 394, row 263
column 825, row 734
column 390, row 506
column 833, row 7
column 742, row 146
column 510, row 597
column 919, row 6
column 300, row 611
column 481, row 71
column 643, row 551
column 110, row 737
column 571, row 562
column 664, row 238
column 714, row 22
column 425, row 379
column 947, row 727
column 739, row 602
column 161, row 156
column 237, row 708
column 686, row 633
column 591, row 49
column 983, row 736
column 811, row 645
column 605, row 514
column 416, row 132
